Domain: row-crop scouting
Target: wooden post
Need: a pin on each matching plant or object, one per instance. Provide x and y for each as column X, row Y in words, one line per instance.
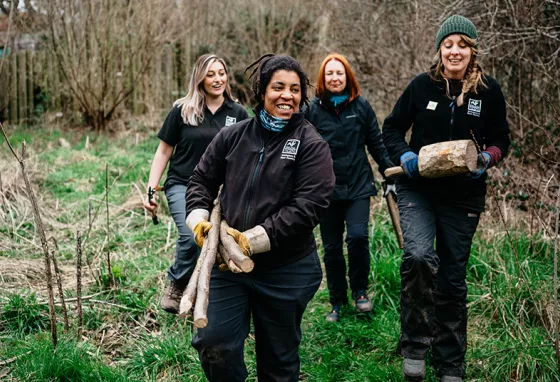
column 156, row 83
column 30, row 84
column 22, row 86
column 13, row 90
column 168, row 76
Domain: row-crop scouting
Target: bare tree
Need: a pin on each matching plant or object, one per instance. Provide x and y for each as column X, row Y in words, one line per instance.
column 103, row 48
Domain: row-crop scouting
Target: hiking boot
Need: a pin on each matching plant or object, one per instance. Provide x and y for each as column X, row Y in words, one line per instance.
column 414, row 369
column 172, row 297
column 334, row 314
column 449, row 378
column 363, row 304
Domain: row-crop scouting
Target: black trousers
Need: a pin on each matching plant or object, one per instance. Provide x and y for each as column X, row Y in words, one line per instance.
column 276, row 300
column 433, row 282
column 355, row 213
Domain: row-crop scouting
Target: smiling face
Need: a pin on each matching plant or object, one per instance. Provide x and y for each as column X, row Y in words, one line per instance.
column 455, row 56
column 335, row 77
column 215, row 80
column 283, row 94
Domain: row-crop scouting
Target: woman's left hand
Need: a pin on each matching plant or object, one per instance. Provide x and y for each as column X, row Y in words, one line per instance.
column 483, row 161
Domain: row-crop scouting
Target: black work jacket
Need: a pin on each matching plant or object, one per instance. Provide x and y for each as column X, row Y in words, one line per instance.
column 281, row 181
column 348, row 133
column 434, row 117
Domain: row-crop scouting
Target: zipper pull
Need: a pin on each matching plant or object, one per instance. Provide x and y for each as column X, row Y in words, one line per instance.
column 261, row 154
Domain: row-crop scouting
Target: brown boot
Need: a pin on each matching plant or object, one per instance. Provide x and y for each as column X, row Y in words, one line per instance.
column 172, row 297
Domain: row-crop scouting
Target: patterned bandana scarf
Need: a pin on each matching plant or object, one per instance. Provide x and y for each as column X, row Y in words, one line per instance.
column 271, row 122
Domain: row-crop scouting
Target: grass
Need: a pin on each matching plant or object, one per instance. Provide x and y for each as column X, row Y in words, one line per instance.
column 128, row 338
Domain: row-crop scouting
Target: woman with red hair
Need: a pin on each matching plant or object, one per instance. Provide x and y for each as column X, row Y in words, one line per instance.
column 347, row 122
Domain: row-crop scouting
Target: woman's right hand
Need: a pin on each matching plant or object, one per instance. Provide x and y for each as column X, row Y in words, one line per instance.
column 151, row 206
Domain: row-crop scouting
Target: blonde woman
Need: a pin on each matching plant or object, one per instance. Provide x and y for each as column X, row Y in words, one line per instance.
column 188, row 129
column 454, row 100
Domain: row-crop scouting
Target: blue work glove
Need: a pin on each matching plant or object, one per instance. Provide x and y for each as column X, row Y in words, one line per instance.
column 483, row 161
column 409, row 163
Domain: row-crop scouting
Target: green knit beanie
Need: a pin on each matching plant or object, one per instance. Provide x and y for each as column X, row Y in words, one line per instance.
column 456, row 24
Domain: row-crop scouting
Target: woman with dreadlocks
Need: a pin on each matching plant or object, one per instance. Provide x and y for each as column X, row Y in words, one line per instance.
column 277, row 178
column 454, row 100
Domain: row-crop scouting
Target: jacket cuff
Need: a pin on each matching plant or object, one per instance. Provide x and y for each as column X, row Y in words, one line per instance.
column 196, row 216
column 258, row 239
column 495, row 155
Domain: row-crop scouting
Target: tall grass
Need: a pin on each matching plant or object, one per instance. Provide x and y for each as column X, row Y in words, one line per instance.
column 128, row 338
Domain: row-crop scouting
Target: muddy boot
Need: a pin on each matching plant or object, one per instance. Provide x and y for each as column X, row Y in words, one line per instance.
column 334, row 315
column 172, row 297
column 449, row 378
column 363, row 303
column 414, row 369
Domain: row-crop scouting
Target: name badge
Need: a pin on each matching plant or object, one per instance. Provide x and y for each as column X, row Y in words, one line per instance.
column 431, row 105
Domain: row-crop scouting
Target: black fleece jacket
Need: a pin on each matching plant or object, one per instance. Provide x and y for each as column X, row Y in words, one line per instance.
column 348, row 132
column 434, row 117
column 281, row 181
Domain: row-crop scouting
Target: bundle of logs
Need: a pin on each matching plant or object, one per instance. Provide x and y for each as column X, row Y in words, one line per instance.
column 217, row 245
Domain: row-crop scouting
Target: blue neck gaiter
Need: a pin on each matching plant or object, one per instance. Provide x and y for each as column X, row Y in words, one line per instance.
column 271, row 122
column 339, row 99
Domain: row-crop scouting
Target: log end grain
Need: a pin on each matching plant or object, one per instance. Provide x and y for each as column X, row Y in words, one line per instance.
column 201, row 322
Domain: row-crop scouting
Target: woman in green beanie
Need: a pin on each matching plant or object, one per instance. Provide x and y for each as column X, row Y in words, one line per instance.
column 454, row 100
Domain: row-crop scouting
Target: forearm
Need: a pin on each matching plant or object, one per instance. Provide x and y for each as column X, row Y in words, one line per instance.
column 161, row 158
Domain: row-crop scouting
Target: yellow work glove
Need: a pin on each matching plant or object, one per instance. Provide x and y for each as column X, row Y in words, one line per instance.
column 222, row 266
column 200, row 231
column 241, row 240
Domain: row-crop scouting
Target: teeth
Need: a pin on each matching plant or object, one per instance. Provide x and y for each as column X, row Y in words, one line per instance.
column 284, row 107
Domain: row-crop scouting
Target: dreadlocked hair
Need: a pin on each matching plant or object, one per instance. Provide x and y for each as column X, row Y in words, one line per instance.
column 473, row 79
column 266, row 66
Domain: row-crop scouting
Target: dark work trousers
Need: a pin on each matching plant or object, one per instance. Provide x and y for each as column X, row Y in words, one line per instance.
column 186, row 250
column 356, row 215
column 276, row 300
column 433, row 282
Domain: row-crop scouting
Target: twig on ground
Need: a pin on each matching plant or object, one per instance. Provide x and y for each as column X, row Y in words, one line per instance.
column 13, row 359
column 119, row 208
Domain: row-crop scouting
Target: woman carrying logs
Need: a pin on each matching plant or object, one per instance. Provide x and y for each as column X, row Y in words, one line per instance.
column 454, row 100
column 277, row 178
column 188, row 129
column 347, row 122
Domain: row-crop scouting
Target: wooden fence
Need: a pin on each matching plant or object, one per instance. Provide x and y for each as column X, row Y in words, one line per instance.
column 31, row 84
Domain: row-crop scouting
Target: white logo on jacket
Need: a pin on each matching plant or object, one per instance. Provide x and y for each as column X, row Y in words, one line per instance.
column 431, row 105
column 290, row 149
column 475, row 106
column 230, row 120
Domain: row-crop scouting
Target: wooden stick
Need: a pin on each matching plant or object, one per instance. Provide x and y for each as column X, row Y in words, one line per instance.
column 227, row 260
column 203, row 289
column 79, row 283
column 234, row 253
column 60, row 290
column 187, row 301
column 41, row 230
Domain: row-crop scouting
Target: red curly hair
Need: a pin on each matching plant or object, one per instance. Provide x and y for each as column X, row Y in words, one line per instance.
column 351, row 81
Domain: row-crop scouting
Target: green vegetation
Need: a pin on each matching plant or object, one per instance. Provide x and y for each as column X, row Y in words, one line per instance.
column 128, row 338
